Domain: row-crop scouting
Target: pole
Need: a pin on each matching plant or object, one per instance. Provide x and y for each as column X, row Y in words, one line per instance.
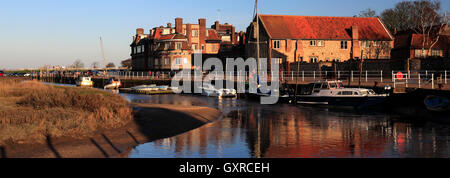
column 419, row 80
column 445, row 77
column 432, row 81
column 381, row 74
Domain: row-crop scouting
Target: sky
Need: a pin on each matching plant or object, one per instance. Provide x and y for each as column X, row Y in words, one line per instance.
column 34, row 33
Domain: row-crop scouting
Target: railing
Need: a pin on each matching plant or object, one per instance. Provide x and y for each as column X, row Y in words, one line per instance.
column 426, row 78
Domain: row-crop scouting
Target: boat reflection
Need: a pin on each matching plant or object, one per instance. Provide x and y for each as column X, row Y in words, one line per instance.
column 285, row 131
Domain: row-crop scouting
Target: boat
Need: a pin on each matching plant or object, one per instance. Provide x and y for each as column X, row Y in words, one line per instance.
column 145, row 87
column 84, row 82
column 333, row 94
column 437, row 103
column 210, row 90
column 113, row 83
column 152, row 87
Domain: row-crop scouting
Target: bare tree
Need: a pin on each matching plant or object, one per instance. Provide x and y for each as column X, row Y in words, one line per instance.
column 78, row 64
column 95, row 65
column 428, row 22
column 368, row 13
column 399, row 17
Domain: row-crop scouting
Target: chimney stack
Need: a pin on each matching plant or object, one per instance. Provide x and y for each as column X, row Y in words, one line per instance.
column 169, row 25
column 179, row 25
column 217, row 26
column 202, row 26
column 355, row 33
column 140, row 31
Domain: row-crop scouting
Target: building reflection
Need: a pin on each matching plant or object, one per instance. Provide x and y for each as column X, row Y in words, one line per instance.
column 252, row 130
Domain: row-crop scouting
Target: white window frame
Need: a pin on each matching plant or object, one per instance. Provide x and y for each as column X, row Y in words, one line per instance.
column 344, row 44
column 321, row 43
column 178, row 45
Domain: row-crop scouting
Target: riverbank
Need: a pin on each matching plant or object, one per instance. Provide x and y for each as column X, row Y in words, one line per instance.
column 151, row 122
column 38, row 120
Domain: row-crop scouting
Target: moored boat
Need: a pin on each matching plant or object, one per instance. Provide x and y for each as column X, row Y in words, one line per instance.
column 84, row 82
column 210, row 90
column 333, row 94
column 113, row 83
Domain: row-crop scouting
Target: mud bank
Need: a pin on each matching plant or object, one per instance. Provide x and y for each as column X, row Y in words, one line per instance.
column 151, row 122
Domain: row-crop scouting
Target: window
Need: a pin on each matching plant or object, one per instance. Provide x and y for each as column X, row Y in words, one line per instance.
column 226, row 38
column 313, row 59
column 194, row 33
column 418, row 52
column 214, row 48
column 166, row 46
column 320, row 43
column 185, row 61
column 167, row 61
column 203, row 47
column 435, row 52
column 344, row 45
column 195, row 46
column 139, row 49
column 178, row 61
column 156, row 61
column 276, row 44
column 178, row 45
column 312, row 43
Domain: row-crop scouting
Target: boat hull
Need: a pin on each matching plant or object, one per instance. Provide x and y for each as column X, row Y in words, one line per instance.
column 345, row 102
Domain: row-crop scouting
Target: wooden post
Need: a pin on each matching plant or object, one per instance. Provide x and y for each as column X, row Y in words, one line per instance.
column 366, row 76
column 419, row 80
column 303, row 76
column 445, row 77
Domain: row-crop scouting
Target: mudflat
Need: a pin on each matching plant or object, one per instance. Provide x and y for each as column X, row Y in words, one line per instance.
column 151, row 122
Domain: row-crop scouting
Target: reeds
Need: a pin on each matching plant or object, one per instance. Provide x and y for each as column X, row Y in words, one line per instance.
column 30, row 111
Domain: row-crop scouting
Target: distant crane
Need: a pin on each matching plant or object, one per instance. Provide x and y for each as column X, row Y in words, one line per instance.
column 103, row 54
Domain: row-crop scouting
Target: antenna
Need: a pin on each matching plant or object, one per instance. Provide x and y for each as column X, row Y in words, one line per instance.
column 103, row 53
column 218, row 15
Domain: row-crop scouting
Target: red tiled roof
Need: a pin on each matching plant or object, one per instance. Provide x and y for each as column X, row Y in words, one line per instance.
column 212, row 35
column 317, row 27
column 417, row 42
column 166, row 37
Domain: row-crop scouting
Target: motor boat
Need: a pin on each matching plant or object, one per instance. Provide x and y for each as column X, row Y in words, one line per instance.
column 437, row 103
column 333, row 94
column 145, row 87
column 113, row 83
column 84, row 82
column 210, row 90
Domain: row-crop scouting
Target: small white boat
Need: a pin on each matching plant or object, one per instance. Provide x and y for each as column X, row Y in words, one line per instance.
column 145, row 87
column 209, row 90
column 84, row 82
column 113, row 83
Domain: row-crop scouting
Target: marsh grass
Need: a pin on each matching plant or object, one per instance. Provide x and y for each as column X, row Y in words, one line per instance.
column 30, row 111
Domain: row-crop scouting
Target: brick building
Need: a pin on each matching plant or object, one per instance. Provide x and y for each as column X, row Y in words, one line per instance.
column 318, row 39
column 409, row 44
column 165, row 46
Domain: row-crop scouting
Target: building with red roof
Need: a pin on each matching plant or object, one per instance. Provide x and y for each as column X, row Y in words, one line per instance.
column 410, row 44
column 165, row 47
column 316, row 39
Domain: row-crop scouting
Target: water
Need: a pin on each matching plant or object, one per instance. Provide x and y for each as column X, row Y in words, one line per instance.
column 251, row 130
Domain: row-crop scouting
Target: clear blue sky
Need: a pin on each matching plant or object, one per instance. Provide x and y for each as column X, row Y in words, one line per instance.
column 57, row 32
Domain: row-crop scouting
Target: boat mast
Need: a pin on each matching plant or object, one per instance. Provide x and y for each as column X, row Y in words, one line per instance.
column 257, row 37
column 103, row 54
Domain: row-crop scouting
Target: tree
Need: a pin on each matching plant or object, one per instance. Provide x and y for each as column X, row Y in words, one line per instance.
column 95, row 65
column 126, row 63
column 368, row 13
column 110, row 65
column 428, row 22
column 400, row 17
column 78, row 64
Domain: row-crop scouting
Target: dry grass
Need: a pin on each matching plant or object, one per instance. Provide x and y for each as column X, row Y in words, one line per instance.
column 30, row 111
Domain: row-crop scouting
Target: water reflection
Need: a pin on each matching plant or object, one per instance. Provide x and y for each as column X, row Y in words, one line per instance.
column 253, row 130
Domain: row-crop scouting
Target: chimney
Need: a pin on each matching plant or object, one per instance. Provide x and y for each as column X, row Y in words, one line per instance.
column 202, row 33
column 189, row 33
column 169, row 25
column 217, row 26
column 355, row 33
column 356, row 50
column 140, row 31
column 233, row 35
column 179, row 25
